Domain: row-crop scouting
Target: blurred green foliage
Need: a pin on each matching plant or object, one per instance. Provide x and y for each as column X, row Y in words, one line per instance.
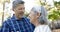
column 56, row 3
column 55, row 13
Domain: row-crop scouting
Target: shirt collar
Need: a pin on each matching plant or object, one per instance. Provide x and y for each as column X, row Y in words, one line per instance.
column 15, row 18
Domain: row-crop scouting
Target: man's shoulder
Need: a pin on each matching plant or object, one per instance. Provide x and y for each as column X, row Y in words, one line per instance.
column 7, row 21
column 9, row 18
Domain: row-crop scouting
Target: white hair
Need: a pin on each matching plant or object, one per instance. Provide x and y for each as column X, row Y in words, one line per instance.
column 42, row 10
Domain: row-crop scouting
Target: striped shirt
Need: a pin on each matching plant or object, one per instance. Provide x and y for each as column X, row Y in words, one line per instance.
column 15, row 25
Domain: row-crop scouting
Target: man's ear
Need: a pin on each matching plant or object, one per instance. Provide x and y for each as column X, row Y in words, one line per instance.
column 13, row 9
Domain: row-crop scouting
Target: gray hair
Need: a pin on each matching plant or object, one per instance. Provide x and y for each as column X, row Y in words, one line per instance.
column 42, row 10
column 17, row 2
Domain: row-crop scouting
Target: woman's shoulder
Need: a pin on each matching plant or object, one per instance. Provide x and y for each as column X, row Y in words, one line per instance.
column 42, row 26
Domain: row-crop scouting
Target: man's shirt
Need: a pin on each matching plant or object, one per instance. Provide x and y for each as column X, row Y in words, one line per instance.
column 15, row 25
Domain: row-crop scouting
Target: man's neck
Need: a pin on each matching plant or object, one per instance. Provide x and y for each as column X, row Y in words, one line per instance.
column 17, row 16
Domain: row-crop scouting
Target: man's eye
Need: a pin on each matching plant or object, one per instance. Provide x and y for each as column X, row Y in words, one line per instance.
column 20, row 9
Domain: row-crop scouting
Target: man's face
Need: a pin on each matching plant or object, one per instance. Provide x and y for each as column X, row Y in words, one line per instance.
column 19, row 10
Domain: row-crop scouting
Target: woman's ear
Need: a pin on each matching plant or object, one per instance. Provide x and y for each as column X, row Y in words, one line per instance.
column 38, row 15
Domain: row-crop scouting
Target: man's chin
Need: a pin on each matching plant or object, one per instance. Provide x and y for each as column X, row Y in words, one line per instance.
column 20, row 16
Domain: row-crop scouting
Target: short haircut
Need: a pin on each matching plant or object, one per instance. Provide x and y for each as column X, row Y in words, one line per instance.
column 16, row 3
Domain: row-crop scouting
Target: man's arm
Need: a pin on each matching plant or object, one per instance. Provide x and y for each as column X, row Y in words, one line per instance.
column 5, row 27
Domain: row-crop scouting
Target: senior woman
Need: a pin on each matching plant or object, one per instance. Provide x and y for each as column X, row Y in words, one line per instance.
column 38, row 18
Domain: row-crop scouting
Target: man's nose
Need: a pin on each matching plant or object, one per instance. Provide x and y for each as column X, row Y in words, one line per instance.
column 21, row 10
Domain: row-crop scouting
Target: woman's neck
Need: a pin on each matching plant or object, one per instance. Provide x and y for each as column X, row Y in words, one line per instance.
column 37, row 23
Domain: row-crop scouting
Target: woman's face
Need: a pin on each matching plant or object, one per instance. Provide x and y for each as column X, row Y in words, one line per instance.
column 34, row 16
